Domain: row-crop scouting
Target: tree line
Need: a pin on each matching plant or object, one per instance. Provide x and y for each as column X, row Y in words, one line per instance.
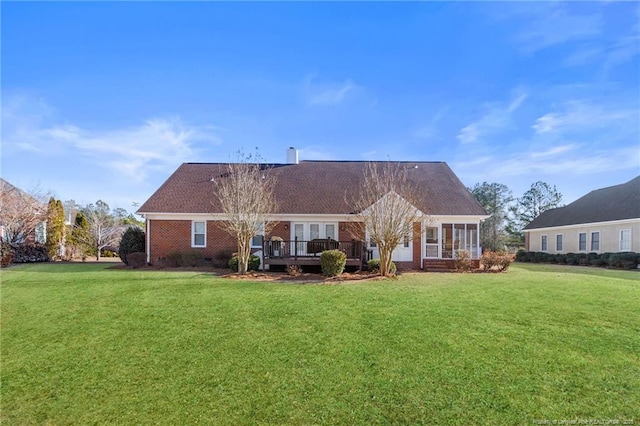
column 81, row 231
column 509, row 215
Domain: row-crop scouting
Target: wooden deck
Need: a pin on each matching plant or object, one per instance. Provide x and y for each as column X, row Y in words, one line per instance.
column 299, row 252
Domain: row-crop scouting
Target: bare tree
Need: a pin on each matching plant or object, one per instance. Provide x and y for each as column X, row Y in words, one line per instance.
column 105, row 230
column 246, row 196
column 386, row 204
column 21, row 213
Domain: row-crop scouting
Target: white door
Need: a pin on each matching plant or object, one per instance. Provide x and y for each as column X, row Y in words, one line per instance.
column 306, row 231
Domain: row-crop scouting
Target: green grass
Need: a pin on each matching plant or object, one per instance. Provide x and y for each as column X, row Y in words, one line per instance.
column 84, row 344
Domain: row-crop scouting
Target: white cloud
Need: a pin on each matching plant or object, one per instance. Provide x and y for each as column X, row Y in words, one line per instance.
column 328, row 94
column 550, row 24
column 157, row 144
column 430, row 130
column 578, row 116
column 496, row 118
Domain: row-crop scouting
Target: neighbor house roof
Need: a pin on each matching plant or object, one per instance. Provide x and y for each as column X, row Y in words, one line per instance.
column 617, row 202
column 312, row 187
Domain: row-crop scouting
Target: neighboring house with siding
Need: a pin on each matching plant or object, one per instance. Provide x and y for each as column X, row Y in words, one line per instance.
column 313, row 214
column 604, row 220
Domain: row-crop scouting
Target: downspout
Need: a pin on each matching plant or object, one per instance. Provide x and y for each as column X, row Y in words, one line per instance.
column 423, row 244
column 148, row 238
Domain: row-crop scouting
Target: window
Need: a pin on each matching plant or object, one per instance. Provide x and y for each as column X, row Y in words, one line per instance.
column 330, row 231
column 559, row 242
column 198, row 234
column 582, row 241
column 543, row 243
column 406, row 241
column 625, row 240
column 595, row 241
column 372, row 243
column 432, row 235
column 314, row 231
column 256, row 240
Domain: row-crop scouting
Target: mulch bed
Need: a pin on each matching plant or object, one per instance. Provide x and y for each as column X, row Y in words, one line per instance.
column 282, row 277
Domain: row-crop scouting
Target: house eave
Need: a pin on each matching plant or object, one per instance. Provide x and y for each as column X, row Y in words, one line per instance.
column 586, row 224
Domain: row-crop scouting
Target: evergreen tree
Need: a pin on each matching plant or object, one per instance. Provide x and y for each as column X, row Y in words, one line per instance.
column 81, row 237
column 495, row 198
column 55, row 228
column 538, row 199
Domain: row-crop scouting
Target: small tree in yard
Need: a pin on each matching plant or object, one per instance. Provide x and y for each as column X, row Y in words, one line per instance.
column 132, row 241
column 386, row 203
column 246, row 197
column 104, row 228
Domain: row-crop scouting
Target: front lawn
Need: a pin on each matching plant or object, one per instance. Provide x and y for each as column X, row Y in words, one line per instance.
column 85, row 344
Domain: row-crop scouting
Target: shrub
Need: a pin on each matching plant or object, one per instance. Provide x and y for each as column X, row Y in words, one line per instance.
column 137, row 260
column 184, row 258
column 495, row 261
column 373, row 265
column 132, row 242
column 624, row 260
column 221, row 258
column 294, row 270
column 253, row 265
column 603, row 263
column 332, row 262
column 6, row 255
column 463, row 261
column 27, row 253
column 522, row 256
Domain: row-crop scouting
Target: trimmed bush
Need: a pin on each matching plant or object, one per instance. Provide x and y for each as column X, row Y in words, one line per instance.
column 333, row 262
column 622, row 260
column 184, row 258
column 132, row 241
column 137, row 260
column 253, row 265
column 522, row 256
column 463, row 261
column 373, row 265
column 495, row 261
column 221, row 258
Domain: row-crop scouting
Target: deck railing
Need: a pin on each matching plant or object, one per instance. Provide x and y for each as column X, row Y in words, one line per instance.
column 277, row 249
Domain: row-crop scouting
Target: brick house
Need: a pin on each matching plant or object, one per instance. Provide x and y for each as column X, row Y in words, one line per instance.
column 22, row 217
column 313, row 214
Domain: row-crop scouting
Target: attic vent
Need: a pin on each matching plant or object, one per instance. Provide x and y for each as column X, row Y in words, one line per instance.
column 292, row 155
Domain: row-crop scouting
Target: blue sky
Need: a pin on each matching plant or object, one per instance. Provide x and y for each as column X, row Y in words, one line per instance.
column 105, row 100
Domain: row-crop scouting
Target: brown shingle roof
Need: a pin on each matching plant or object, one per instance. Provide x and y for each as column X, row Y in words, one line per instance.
column 312, row 187
column 601, row 205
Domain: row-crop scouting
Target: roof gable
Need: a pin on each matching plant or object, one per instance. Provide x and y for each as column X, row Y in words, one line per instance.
column 312, row 187
column 617, row 202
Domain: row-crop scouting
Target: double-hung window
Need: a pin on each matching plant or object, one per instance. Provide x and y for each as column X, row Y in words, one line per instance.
column 543, row 243
column 559, row 242
column 198, row 234
column 595, row 241
column 625, row 240
column 582, row 241
column 256, row 240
